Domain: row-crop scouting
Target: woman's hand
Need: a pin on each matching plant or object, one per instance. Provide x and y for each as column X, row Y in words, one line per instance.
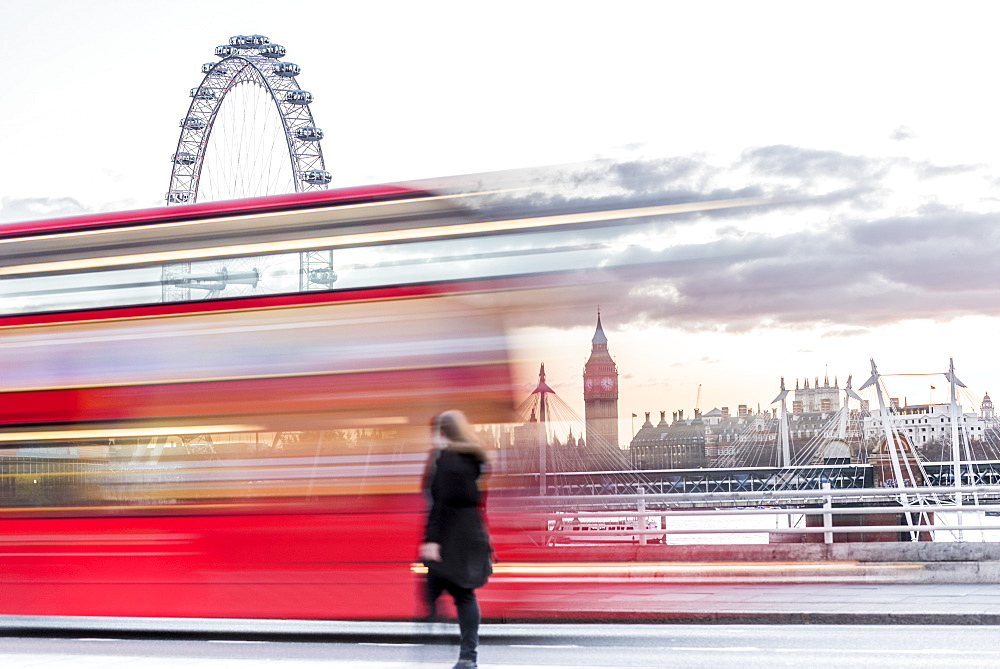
column 430, row 552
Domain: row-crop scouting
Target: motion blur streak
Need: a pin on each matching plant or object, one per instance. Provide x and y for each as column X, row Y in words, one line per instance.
column 653, row 570
column 377, row 237
column 123, row 432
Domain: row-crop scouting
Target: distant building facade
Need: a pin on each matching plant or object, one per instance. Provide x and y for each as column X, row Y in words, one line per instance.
column 719, row 439
column 925, row 423
column 678, row 445
column 816, row 399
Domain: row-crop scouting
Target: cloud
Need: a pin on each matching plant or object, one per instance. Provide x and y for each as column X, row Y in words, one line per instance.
column 864, row 274
column 791, row 177
column 808, row 166
column 902, row 133
column 857, row 267
column 930, row 171
column 31, row 208
column 846, row 332
column 646, row 177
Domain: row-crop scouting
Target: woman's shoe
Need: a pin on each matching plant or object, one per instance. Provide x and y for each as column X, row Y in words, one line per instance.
column 465, row 664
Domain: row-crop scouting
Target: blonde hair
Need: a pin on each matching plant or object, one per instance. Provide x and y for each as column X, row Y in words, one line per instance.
column 454, row 426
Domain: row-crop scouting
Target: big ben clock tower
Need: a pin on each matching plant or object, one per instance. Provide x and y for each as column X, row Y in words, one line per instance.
column 600, row 396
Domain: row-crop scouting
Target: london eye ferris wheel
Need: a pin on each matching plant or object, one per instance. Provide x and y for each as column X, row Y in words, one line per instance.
column 248, row 132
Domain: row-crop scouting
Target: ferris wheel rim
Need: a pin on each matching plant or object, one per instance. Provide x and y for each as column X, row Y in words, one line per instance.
column 278, row 78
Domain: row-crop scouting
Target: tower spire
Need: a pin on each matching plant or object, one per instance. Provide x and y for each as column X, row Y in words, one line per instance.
column 542, row 387
column 599, row 336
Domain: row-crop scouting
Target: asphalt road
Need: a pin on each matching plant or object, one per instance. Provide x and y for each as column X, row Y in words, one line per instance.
column 590, row 646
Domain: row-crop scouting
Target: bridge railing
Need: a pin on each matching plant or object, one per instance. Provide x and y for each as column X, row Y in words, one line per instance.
column 926, row 513
column 745, row 479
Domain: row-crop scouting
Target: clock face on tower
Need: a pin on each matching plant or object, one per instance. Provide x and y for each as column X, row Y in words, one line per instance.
column 607, row 383
column 589, row 383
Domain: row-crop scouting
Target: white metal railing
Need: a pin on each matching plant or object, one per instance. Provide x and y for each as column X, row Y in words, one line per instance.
column 942, row 512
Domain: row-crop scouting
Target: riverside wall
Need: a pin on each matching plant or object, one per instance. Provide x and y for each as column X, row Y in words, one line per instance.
column 883, row 562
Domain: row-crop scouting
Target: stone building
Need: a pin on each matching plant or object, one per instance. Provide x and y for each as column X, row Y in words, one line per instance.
column 680, row 445
column 816, row 399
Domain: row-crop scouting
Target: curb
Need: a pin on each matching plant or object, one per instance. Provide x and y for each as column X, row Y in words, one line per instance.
column 589, row 631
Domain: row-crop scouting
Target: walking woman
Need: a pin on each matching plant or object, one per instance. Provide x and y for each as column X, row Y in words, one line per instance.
column 456, row 546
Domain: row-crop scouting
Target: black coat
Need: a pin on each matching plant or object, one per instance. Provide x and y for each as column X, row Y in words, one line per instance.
column 455, row 519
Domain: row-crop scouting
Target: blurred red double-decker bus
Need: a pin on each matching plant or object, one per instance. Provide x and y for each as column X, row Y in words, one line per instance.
column 221, row 409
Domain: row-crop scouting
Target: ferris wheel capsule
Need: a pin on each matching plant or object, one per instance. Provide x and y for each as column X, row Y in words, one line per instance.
column 183, row 158
column 213, row 68
column 297, row 97
column 224, row 51
column 193, row 123
column 178, row 197
column 200, row 93
column 309, row 133
column 248, row 41
column 287, row 69
column 324, row 276
column 317, row 177
column 272, row 51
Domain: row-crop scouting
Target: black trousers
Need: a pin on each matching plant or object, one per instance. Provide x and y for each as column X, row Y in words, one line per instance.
column 467, row 607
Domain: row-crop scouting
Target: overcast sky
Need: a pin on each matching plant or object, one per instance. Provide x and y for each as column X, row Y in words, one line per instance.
column 875, row 121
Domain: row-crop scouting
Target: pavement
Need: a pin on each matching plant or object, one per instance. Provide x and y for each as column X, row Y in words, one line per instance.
column 82, row 642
